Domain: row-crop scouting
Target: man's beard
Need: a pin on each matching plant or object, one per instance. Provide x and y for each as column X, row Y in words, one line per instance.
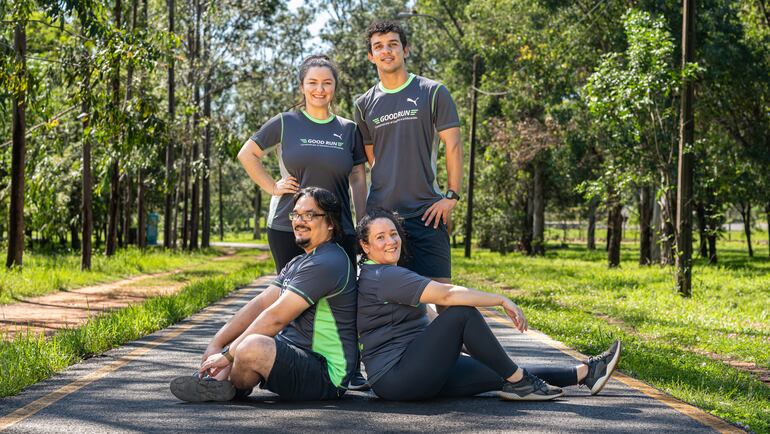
column 302, row 242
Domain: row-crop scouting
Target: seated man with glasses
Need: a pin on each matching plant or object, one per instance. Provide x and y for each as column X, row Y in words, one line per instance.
column 298, row 337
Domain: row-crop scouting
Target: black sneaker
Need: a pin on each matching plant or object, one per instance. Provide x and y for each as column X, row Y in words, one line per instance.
column 529, row 388
column 194, row 389
column 358, row 382
column 600, row 368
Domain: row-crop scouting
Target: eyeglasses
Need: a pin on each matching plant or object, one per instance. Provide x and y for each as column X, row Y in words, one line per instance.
column 305, row 216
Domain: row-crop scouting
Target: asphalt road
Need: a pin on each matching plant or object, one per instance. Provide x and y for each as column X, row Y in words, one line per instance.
column 126, row 390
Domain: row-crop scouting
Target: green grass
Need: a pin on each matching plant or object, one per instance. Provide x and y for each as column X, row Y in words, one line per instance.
column 29, row 358
column 564, row 294
column 44, row 273
column 243, row 237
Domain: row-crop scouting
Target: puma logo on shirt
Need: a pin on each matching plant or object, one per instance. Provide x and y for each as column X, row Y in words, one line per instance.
column 413, row 101
column 339, row 136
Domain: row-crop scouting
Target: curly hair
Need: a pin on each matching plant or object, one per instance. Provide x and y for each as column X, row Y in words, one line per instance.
column 384, row 27
column 362, row 229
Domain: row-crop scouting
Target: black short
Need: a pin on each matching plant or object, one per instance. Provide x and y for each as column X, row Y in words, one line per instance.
column 299, row 375
column 428, row 252
column 284, row 249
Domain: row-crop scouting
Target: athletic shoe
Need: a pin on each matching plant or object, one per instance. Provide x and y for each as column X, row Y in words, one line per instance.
column 600, row 368
column 358, row 382
column 194, row 389
column 529, row 388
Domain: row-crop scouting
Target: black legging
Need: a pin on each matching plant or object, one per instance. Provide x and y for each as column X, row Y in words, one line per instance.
column 432, row 365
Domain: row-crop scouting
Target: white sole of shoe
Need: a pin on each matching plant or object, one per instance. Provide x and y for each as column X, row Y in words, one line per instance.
column 514, row 397
column 192, row 389
column 599, row 385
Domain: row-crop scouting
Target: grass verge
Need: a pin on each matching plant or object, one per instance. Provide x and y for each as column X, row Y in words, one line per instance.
column 28, row 358
column 572, row 296
column 44, row 273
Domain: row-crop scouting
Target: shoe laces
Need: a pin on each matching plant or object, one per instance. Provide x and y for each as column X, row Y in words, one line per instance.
column 537, row 382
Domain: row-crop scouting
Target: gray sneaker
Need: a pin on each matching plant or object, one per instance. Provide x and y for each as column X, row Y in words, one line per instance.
column 358, row 382
column 194, row 389
column 600, row 368
column 529, row 388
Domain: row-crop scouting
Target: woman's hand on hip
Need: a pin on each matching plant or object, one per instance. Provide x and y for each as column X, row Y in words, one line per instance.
column 286, row 185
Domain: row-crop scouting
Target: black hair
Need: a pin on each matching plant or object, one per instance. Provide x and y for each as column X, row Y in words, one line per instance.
column 362, row 229
column 327, row 201
column 316, row 60
column 384, row 27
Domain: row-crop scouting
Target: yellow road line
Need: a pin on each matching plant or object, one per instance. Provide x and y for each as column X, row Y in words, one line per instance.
column 45, row 401
column 695, row 413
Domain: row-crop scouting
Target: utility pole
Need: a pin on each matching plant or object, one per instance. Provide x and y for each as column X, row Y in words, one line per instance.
column 686, row 159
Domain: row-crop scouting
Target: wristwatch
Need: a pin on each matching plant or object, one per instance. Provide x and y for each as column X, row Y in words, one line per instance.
column 451, row 194
column 226, row 352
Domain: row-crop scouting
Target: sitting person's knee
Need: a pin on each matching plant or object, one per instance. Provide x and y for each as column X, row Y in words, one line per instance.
column 462, row 311
column 254, row 346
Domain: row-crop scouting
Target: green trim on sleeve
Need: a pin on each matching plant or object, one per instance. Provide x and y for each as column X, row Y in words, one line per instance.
column 281, row 129
column 301, row 294
column 398, row 89
column 433, row 100
column 327, row 342
column 319, row 121
column 347, row 275
column 359, row 112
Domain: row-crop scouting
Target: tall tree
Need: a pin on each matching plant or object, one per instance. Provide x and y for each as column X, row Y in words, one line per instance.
column 16, row 217
column 169, row 232
column 114, row 168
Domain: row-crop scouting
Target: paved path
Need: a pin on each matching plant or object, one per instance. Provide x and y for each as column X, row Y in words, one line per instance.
column 126, row 390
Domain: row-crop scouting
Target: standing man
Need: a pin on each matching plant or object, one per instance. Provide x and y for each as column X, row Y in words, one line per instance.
column 298, row 337
column 399, row 119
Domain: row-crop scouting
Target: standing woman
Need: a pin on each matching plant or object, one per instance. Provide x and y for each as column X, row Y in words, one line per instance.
column 315, row 148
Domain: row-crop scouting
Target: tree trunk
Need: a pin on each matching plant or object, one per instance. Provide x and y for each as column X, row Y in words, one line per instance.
column 87, row 193
column 112, row 213
column 186, row 198
column 257, row 212
column 703, row 249
column 196, row 187
column 657, row 234
column 175, row 214
column 591, row 235
column 609, row 232
column 18, row 150
column 645, row 225
column 668, row 238
column 206, row 226
column 127, row 201
column 767, row 217
column 141, row 221
column 169, row 235
column 221, row 206
column 746, row 217
column 686, row 164
column 616, row 233
column 526, row 225
column 538, row 216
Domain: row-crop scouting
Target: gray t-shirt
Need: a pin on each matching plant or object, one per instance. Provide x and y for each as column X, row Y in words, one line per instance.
column 402, row 125
column 319, row 153
column 326, row 279
column 390, row 315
